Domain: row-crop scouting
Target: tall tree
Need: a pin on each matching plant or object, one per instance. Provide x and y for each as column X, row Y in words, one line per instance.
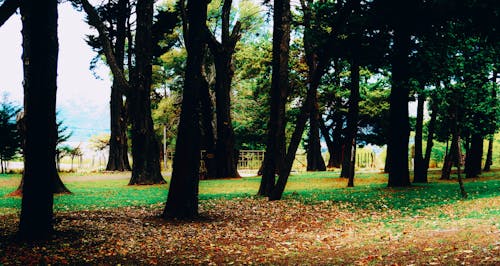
column 348, row 164
column 182, row 200
column 145, row 148
column 315, row 161
column 40, row 49
column 226, row 159
column 118, row 146
column 275, row 145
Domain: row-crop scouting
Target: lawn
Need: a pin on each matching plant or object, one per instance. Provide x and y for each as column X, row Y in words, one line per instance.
column 320, row 221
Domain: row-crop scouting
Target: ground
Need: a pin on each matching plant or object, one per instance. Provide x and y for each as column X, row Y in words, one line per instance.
column 369, row 224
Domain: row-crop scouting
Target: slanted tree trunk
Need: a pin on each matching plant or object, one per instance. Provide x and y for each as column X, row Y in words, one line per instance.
column 399, row 131
column 182, row 201
column 145, row 147
column 7, row 9
column 474, row 156
column 274, row 157
column 419, row 168
column 338, row 141
column 118, row 146
column 40, row 49
column 489, row 154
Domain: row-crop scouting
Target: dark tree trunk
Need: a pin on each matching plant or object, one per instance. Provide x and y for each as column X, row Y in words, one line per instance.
column 182, row 201
column 207, row 116
column 349, row 160
column 225, row 150
column 275, row 146
column 474, row 156
column 118, row 147
column 399, row 130
column 145, row 148
column 40, row 49
column 449, row 159
column 315, row 161
column 225, row 153
column 489, row 154
column 419, row 167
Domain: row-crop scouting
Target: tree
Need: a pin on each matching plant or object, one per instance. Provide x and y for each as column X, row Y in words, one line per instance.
column 145, row 148
column 182, row 201
column 10, row 142
column 274, row 158
column 40, row 49
column 223, row 51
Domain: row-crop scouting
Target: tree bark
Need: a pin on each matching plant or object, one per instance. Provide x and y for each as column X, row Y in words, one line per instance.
column 182, row 201
column 40, row 53
column 399, row 131
column 274, row 157
column 474, row 156
column 489, row 155
column 118, row 146
column 145, row 147
column 207, row 116
column 315, row 161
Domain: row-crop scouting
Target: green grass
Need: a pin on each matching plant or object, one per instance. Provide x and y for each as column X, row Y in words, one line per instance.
column 370, row 193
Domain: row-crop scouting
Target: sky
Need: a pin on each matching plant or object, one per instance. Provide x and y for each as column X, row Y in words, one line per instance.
column 82, row 100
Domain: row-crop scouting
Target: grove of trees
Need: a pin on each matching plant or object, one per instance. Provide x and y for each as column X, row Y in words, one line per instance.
column 221, row 76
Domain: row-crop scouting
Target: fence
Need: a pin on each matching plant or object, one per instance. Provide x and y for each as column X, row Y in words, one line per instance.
column 252, row 160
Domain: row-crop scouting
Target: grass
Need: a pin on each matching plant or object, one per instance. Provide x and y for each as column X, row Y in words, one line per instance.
column 111, row 191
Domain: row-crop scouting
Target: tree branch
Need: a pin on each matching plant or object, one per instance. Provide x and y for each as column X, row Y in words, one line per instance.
column 95, row 21
column 7, row 9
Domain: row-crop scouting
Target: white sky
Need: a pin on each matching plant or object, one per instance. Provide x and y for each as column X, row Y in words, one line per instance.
column 82, row 101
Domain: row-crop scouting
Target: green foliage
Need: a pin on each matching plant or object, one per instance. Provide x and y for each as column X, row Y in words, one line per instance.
column 10, row 140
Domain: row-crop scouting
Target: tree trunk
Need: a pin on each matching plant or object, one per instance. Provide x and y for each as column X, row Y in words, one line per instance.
column 474, row 156
column 182, row 201
column 40, row 53
column 419, row 169
column 207, row 116
column 349, row 160
column 399, row 131
column 315, row 161
column 489, row 154
column 7, row 9
column 225, row 151
column 145, row 148
column 274, row 157
column 118, row 146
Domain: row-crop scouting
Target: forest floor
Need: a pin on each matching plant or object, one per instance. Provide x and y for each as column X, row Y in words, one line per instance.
column 367, row 225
